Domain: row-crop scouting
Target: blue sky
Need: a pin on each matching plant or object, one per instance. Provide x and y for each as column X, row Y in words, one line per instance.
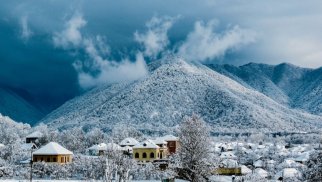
column 56, row 48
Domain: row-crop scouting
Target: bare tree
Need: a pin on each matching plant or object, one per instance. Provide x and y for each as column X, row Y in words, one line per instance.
column 118, row 166
column 314, row 171
column 194, row 149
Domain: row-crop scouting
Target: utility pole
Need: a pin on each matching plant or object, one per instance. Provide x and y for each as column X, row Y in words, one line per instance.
column 106, row 169
column 31, row 163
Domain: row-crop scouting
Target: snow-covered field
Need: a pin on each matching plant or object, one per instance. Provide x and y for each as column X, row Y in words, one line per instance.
column 12, row 180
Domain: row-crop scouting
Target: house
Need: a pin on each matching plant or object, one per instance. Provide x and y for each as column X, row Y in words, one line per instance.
column 270, row 164
column 245, row 170
column 228, row 155
column 113, row 147
column 163, row 147
column 261, row 173
column 228, row 171
column 229, row 147
column 303, row 158
column 103, row 149
column 146, row 151
column 53, row 153
column 290, row 163
column 259, row 164
column 226, row 147
column 128, row 142
column 228, row 167
column 33, row 137
column 97, row 150
column 127, row 145
column 229, row 163
column 288, row 174
column 172, row 143
column 28, row 146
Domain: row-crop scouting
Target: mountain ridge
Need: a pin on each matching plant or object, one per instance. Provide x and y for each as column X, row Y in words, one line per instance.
column 287, row 84
column 175, row 89
column 17, row 107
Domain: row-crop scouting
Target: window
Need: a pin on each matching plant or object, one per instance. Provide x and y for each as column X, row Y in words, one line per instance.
column 42, row 159
column 48, row 159
column 137, row 155
column 144, row 155
column 161, row 155
column 67, row 159
column 152, row 155
column 62, row 159
column 55, row 159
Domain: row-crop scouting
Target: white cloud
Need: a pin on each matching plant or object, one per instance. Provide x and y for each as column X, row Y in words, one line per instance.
column 96, row 68
column 71, row 36
column 282, row 40
column 204, row 44
column 26, row 33
column 155, row 39
column 113, row 72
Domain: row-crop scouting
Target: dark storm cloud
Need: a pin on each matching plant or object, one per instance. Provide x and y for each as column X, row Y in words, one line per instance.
column 262, row 31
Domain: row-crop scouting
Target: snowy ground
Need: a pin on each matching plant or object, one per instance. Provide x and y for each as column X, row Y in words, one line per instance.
column 71, row 180
column 76, row 180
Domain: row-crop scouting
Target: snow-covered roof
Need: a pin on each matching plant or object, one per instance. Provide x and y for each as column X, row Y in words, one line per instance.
column 258, row 163
column 105, row 147
column 245, row 170
column 289, row 163
column 36, row 134
column 227, row 155
column 229, row 146
column 290, row 173
column 129, row 141
column 230, row 163
column 159, row 141
column 28, row 146
column 303, row 157
column 261, row 172
column 27, row 161
column 101, row 146
column 146, row 144
column 271, row 161
column 170, row 138
column 260, row 146
column 52, row 148
column 113, row 146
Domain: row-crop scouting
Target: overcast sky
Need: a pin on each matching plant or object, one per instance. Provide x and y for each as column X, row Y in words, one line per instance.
column 55, row 48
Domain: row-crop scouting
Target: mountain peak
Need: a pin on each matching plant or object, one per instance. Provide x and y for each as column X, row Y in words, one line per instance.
column 175, row 89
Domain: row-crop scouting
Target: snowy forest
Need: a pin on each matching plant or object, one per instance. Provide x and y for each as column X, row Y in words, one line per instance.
column 261, row 157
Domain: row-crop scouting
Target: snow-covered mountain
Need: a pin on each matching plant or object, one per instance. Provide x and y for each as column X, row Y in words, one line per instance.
column 287, row 84
column 17, row 108
column 174, row 89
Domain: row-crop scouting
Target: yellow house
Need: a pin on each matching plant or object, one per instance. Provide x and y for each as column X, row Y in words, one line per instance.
column 52, row 153
column 146, row 151
column 163, row 147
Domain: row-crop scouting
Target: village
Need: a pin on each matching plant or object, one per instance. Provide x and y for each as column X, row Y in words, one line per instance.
column 230, row 160
column 156, row 150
